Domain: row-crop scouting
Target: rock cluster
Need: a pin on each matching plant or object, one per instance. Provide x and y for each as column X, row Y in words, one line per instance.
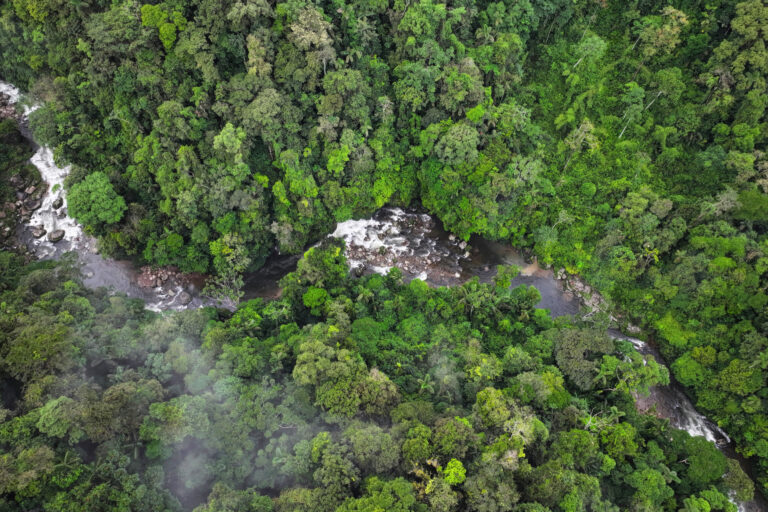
column 169, row 280
column 8, row 109
column 28, row 193
column 395, row 238
column 153, row 277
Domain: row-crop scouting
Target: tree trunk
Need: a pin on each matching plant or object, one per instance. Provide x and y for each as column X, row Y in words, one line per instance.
column 653, row 101
column 638, row 69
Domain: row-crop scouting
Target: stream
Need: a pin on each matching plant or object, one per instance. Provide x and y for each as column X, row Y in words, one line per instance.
column 411, row 240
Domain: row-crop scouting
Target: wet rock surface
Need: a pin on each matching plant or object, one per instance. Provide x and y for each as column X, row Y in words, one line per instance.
column 56, row 236
column 159, row 277
column 8, row 107
column 176, row 288
column 38, row 231
column 19, row 203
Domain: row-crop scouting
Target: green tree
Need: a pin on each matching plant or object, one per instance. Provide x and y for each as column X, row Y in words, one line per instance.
column 94, row 201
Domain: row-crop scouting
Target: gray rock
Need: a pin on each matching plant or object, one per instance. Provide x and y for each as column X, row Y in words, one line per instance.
column 55, row 236
column 38, row 231
column 32, row 204
column 58, row 203
column 30, row 190
column 185, row 298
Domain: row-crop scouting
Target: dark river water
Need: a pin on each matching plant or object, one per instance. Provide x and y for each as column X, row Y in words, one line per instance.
column 410, row 240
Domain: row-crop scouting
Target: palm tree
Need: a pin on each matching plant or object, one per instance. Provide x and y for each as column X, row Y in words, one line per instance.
column 426, row 384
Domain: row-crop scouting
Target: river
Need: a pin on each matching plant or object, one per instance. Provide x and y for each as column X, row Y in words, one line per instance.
column 412, row 240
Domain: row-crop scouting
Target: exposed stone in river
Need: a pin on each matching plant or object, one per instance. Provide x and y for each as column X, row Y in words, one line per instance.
column 7, row 108
column 58, row 203
column 56, row 236
column 38, row 231
column 32, row 204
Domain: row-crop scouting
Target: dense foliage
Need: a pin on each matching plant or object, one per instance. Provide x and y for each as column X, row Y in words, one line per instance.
column 624, row 141
column 344, row 394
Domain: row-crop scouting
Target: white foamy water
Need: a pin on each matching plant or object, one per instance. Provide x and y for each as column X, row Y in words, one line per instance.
column 372, row 236
column 50, row 218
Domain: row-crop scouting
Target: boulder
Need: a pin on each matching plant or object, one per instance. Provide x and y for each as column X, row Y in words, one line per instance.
column 58, row 203
column 38, row 231
column 185, row 298
column 32, row 204
column 146, row 279
column 55, row 236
